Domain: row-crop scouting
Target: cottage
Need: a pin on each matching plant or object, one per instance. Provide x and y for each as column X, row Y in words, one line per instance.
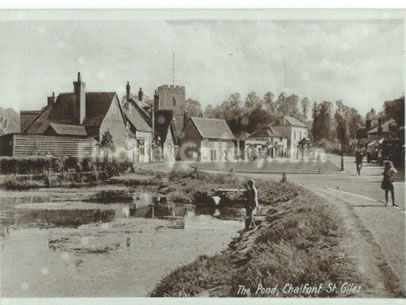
column 71, row 122
column 386, row 130
column 266, row 142
column 207, row 140
column 294, row 130
column 140, row 136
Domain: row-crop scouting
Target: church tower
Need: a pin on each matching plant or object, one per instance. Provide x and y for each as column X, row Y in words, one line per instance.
column 173, row 98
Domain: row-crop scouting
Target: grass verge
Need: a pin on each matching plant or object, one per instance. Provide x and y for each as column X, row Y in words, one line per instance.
column 296, row 243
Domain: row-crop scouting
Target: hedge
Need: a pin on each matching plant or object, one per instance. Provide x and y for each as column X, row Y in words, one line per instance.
column 38, row 165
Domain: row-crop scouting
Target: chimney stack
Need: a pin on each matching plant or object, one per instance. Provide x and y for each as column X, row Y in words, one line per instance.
column 128, row 89
column 368, row 124
column 79, row 107
column 156, row 101
column 51, row 99
column 379, row 126
column 140, row 94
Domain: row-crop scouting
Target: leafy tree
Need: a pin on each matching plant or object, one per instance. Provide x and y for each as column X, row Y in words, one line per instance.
column 269, row 102
column 305, row 103
column 192, row 108
column 321, row 121
column 209, row 111
column 258, row 118
column 107, row 141
column 395, row 110
column 252, row 101
column 371, row 115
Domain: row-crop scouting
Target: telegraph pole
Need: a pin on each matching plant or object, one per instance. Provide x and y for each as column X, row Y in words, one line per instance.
column 173, row 69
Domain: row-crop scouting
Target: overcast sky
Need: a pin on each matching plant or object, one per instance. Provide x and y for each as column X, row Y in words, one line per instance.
column 359, row 62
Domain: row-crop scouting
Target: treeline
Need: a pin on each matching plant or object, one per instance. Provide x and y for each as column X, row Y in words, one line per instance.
column 332, row 123
column 340, row 123
column 253, row 112
column 335, row 122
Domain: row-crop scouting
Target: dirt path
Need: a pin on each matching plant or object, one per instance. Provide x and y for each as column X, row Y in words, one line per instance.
column 378, row 256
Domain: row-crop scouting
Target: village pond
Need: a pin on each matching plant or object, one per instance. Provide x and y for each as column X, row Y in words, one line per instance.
column 54, row 243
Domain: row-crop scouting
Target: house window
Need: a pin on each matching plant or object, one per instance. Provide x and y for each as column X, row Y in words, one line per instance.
column 114, row 112
column 173, row 101
column 281, row 139
column 213, row 154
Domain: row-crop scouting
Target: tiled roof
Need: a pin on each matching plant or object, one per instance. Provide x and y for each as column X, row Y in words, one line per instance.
column 213, row 128
column 265, row 132
column 290, row 121
column 61, row 112
column 27, row 117
column 136, row 118
column 71, row 130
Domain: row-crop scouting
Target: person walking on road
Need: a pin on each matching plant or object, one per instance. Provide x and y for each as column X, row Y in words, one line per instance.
column 251, row 205
column 387, row 182
column 358, row 161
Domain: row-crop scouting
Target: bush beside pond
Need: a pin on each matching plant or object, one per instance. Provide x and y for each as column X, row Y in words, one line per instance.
column 112, row 196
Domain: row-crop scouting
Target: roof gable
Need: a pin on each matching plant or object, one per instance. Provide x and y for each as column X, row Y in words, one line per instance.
column 61, row 112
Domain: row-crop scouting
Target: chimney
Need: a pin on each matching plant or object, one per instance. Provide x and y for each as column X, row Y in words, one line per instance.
column 368, row 124
column 51, row 99
column 79, row 107
column 379, row 126
column 156, row 101
column 140, row 94
column 128, row 89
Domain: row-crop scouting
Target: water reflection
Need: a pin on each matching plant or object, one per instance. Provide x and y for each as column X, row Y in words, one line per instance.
column 42, row 256
column 54, row 217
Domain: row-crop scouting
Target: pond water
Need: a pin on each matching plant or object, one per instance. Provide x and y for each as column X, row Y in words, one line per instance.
column 57, row 249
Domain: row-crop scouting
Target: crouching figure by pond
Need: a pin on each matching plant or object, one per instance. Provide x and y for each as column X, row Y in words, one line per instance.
column 251, row 204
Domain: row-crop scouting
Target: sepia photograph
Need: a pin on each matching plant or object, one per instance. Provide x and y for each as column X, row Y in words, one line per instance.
column 202, row 153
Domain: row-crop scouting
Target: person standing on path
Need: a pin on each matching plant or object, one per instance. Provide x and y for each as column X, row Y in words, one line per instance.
column 358, row 161
column 387, row 182
column 251, row 204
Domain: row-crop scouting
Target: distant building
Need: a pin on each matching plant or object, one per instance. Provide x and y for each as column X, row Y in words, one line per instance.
column 266, row 142
column 294, row 131
column 173, row 98
column 386, row 130
column 207, row 140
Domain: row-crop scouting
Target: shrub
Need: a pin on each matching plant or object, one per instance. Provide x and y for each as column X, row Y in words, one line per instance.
column 111, row 196
column 13, row 183
column 27, row 165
